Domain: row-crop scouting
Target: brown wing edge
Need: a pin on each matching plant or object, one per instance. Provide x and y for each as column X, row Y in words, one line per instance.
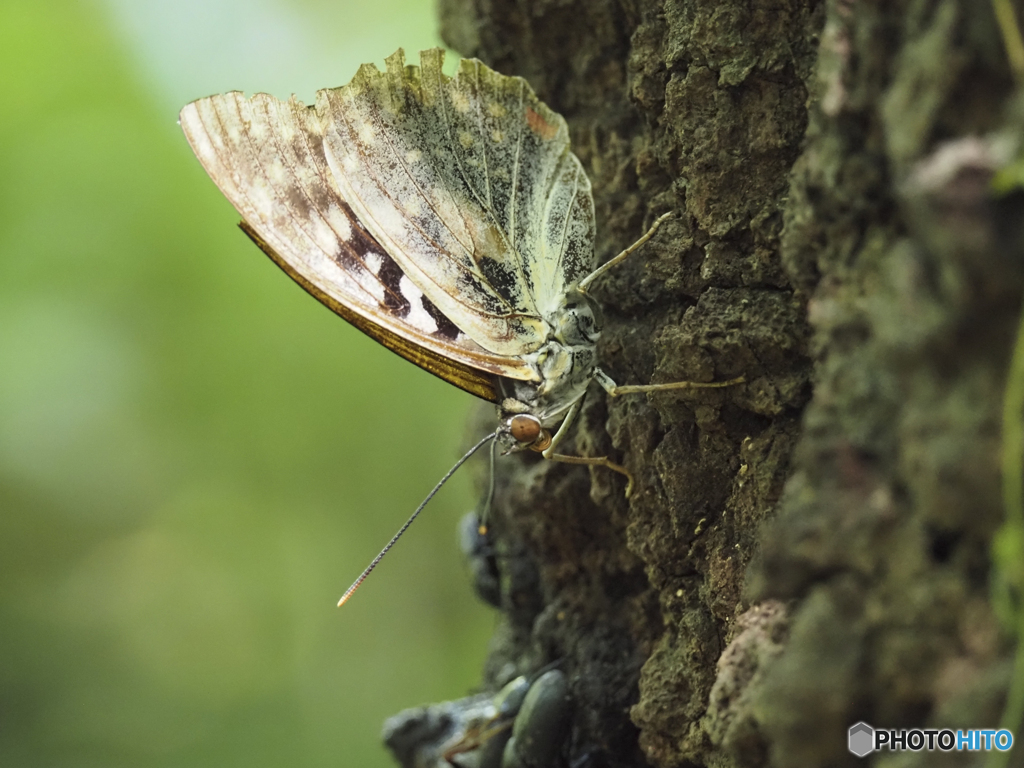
column 468, row 379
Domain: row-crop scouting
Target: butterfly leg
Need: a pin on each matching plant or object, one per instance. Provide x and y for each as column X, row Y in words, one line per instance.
column 586, row 281
column 563, row 429
column 599, row 461
column 615, row 390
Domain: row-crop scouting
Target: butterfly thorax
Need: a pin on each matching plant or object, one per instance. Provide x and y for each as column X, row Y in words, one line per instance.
column 564, row 364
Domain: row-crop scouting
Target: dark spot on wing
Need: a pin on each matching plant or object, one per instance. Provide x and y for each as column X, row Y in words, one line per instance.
column 490, row 304
column 390, row 275
column 298, row 202
column 446, row 329
column 516, row 327
column 352, row 257
column 360, row 243
column 501, row 278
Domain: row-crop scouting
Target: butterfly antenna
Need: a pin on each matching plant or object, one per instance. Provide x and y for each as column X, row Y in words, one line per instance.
column 397, row 536
column 486, row 514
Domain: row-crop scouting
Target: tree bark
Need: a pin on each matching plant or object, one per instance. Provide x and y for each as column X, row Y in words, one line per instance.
column 810, row 548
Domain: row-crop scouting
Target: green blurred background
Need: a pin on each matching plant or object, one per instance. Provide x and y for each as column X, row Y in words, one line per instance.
column 196, row 458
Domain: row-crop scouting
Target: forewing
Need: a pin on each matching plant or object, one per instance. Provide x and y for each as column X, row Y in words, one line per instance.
column 470, row 184
column 267, row 157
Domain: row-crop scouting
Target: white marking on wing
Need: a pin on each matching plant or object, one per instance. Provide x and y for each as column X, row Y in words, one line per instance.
column 257, row 131
column 367, row 279
column 262, row 197
column 277, row 173
column 320, row 264
column 324, row 236
column 340, row 222
column 460, row 101
column 418, row 316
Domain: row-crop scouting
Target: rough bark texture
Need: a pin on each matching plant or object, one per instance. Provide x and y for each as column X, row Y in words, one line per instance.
column 810, row 548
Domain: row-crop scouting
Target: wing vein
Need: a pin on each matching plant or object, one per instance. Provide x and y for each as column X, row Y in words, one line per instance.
column 515, row 168
column 488, row 211
column 483, row 138
column 568, row 211
column 451, row 143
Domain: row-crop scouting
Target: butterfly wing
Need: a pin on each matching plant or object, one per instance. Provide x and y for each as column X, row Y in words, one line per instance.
column 267, row 157
column 470, row 184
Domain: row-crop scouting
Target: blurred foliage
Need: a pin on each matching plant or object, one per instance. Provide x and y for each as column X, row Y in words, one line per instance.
column 196, row 458
column 1007, row 580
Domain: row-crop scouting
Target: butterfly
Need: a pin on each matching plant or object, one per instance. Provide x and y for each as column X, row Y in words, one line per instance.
column 445, row 217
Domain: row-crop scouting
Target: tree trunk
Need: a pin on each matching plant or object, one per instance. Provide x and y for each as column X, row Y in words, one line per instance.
column 810, row 548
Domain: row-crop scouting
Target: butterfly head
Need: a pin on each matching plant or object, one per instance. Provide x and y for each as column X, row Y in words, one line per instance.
column 521, row 430
column 531, row 409
column 527, row 431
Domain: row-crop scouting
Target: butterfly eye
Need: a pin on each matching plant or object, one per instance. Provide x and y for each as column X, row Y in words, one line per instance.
column 525, row 428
